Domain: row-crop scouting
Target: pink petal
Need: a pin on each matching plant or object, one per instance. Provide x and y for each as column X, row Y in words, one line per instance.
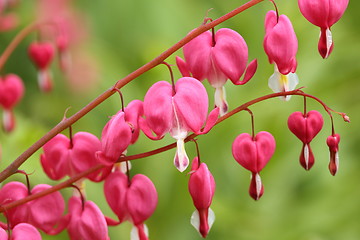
column 11, row 90
column 141, row 199
column 25, row 231
column 82, row 155
column 191, row 103
column 183, row 68
column 54, row 160
column 201, row 187
column 92, row 224
column 158, row 108
column 314, row 123
column 116, row 137
column 46, row 212
column 230, row 53
column 244, row 151
column 11, row 192
column 133, row 112
column 115, row 189
column 265, row 145
column 3, row 234
column 315, row 11
column 197, row 55
column 280, row 43
column 41, row 54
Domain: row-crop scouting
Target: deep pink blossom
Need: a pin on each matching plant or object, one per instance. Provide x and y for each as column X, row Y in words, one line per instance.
column 11, row 92
column 253, row 153
column 306, row 127
column 42, row 55
column 217, row 58
column 281, row 45
column 202, row 189
column 45, row 213
column 179, row 112
column 333, row 144
column 324, row 14
column 11, row 192
column 63, row 156
column 134, row 200
column 87, row 221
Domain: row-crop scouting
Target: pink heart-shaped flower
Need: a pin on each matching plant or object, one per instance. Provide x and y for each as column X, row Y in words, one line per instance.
column 11, row 90
column 253, row 153
column 307, row 126
column 41, row 54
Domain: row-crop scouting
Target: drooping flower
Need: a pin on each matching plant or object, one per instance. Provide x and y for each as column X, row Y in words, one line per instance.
column 134, row 200
column 11, row 192
column 280, row 44
column 121, row 131
column 202, row 189
column 11, row 91
column 217, row 58
column 45, row 213
column 306, row 127
column 333, row 144
column 63, row 156
column 87, row 222
column 42, row 55
column 324, row 14
column 253, row 153
column 179, row 112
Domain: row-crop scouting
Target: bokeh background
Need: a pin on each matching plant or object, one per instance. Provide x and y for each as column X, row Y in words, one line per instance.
column 120, row 36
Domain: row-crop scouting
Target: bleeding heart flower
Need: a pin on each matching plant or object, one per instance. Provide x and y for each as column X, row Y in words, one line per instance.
column 42, row 54
column 133, row 200
column 333, row 144
column 179, row 112
column 217, row 58
column 46, row 213
column 63, row 156
column 253, row 153
column 11, row 192
column 202, row 189
column 11, row 92
column 280, row 45
column 306, row 127
column 324, row 14
column 87, row 221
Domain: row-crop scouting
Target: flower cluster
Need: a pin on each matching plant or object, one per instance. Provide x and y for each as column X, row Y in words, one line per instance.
column 178, row 108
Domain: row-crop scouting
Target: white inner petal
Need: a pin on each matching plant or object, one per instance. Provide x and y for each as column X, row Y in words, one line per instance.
column 220, row 100
column 306, row 156
column 195, row 220
column 134, row 234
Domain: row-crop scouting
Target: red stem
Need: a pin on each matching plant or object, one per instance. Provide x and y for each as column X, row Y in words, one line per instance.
column 156, row 61
column 77, row 177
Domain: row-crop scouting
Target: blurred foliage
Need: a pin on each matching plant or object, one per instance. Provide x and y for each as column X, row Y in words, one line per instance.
column 124, row 35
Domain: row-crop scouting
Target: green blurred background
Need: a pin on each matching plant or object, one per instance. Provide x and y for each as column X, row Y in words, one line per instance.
column 124, row 35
